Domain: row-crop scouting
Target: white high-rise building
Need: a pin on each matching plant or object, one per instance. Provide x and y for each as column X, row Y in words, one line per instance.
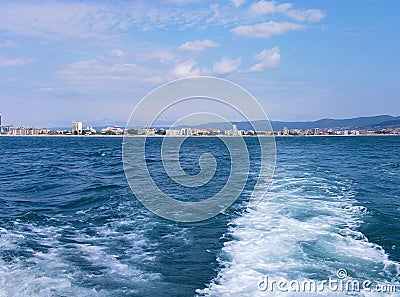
column 235, row 131
column 77, row 128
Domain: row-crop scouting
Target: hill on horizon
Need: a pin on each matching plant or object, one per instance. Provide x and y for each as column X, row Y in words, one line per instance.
column 373, row 122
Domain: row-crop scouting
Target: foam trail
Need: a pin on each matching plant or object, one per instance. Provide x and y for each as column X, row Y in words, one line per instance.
column 63, row 260
column 304, row 229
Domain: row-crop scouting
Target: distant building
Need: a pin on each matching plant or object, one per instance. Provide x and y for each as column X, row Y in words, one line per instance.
column 316, row 131
column 233, row 132
column 355, row 132
column 9, row 130
column 115, row 130
column 186, row 131
column 90, row 130
column 201, row 132
column 215, row 131
column 285, row 131
column 20, row 130
column 77, row 128
column 172, row 132
column 147, row 131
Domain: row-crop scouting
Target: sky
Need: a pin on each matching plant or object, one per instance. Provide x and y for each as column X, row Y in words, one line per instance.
column 93, row 61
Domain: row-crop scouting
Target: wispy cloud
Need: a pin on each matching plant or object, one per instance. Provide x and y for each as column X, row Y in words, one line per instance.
column 9, row 62
column 267, row 29
column 271, row 7
column 81, row 71
column 116, row 53
column 269, row 59
column 185, row 69
column 237, row 3
column 130, row 57
column 7, row 44
column 46, row 90
column 226, row 65
column 106, row 71
column 303, row 15
column 161, row 56
column 182, row 2
column 73, row 19
column 198, row 45
column 53, row 19
column 107, row 74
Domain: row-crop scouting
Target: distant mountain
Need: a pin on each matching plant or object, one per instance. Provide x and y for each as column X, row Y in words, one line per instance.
column 84, row 127
column 389, row 124
column 381, row 122
column 375, row 122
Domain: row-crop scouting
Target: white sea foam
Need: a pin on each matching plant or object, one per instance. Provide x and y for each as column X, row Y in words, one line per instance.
column 304, row 229
column 85, row 265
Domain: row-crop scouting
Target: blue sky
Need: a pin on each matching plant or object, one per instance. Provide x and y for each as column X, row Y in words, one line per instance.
column 94, row 60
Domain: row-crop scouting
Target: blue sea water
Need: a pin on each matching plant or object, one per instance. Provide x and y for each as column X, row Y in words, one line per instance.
column 70, row 225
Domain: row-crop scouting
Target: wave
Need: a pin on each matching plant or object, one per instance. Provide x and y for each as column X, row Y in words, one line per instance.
column 306, row 228
column 57, row 257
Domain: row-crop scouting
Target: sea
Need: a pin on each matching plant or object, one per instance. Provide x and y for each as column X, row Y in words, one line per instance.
column 71, row 226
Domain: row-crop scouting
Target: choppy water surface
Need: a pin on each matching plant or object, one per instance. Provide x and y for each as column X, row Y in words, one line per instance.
column 70, row 225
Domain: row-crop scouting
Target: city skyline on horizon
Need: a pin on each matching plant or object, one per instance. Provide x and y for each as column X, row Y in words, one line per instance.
column 93, row 61
column 194, row 124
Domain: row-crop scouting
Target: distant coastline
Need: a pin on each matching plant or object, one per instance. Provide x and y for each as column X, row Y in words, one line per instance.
column 183, row 136
column 361, row 126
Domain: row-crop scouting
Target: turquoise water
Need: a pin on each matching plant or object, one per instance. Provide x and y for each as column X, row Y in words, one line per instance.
column 70, row 225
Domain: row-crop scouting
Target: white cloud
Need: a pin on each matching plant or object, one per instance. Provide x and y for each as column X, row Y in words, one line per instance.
column 53, row 19
column 99, row 70
column 46, row 90
column 302, row 15
column 198, row 45
column 270, row 7
column 186, row 69
column 66, row 19
column 215, row 9
column 8, row 62
column 107, row 74
column 269, row 59
column 7, row 44
column 226, row 65
column 116, row 53
column 237, row 3
column 266, row 29
column 182, row 2
column 106, row 21
column 162, row 56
